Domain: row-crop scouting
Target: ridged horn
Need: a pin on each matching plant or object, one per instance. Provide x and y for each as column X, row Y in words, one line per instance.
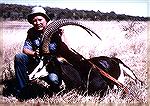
column 54, row 26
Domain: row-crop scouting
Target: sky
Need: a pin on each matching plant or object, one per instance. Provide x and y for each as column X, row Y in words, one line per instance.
column 128, row 7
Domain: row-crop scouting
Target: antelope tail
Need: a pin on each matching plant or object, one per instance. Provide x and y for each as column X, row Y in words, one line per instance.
column 129, row 72
column 125, row 69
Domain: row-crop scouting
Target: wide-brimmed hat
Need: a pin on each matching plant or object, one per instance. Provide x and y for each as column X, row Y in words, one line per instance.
column 37, row 11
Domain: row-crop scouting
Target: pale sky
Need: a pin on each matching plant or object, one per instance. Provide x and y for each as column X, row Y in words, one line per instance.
column 128, row 7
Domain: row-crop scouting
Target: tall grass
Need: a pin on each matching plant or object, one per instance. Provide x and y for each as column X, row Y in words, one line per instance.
column 124, row 40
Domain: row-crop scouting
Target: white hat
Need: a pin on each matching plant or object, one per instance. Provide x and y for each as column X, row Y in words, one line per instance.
column 37, row 11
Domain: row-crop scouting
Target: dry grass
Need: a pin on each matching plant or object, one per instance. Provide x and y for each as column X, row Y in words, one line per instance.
column 125, row 40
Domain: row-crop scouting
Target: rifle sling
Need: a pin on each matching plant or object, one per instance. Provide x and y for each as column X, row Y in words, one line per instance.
column 105, row 74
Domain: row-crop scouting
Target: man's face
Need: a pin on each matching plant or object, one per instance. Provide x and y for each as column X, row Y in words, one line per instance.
column 39, row 22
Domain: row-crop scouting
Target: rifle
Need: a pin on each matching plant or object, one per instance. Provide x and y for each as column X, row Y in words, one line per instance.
column 105, row 73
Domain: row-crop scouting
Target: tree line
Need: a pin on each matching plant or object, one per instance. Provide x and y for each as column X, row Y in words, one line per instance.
column 20, row 12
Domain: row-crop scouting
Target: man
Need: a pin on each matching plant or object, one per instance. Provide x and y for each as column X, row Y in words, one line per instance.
column 26, row 62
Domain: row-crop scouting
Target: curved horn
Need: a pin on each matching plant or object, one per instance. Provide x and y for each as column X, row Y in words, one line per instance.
column 54, row 26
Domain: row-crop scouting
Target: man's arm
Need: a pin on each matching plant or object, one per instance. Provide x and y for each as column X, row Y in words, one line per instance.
column 29, row 52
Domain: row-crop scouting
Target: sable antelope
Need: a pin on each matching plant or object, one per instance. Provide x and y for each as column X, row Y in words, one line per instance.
column 94, row 74
column 76, row 70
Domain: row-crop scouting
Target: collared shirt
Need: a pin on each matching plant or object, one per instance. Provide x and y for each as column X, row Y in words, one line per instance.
column 33, row 40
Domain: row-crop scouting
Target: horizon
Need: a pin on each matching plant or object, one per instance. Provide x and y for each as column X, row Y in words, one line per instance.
column 131, row 7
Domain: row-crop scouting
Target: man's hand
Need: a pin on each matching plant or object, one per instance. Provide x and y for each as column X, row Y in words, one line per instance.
column 36, row 53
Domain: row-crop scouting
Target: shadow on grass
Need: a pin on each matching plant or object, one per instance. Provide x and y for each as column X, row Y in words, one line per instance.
column 31, row 91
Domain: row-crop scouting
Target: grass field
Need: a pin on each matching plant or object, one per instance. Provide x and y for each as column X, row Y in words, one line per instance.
column 126, row 40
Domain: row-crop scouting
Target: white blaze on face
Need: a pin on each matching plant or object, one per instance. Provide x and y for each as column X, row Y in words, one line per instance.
column 36, row 73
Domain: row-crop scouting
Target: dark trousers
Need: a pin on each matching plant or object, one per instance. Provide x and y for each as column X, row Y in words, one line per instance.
column 24, row 65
